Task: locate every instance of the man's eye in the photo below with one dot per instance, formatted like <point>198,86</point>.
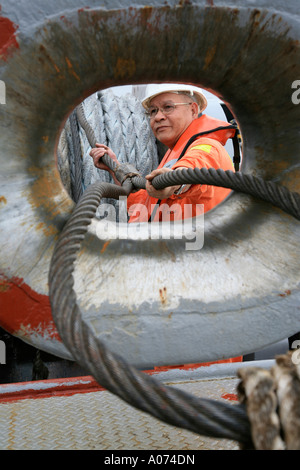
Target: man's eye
<point>153,112</point>
<point>168,107</point>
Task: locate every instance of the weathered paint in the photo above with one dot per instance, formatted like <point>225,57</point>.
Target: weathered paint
<point>48,388</point>
<point>29,312</point>
<point>87,384</point>
<point>152,300</point>
<point>230,396</point>
<point>8,39</point>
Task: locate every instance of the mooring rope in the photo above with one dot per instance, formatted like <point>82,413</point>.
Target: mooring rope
<point>120,123</point>
<point>76,165</point>
<point>203,416</point>
<point>112,372</point>
<point>272,399</point>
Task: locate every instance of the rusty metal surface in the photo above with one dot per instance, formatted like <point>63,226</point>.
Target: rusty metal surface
<point>84,416</point>
<point>152,301</point>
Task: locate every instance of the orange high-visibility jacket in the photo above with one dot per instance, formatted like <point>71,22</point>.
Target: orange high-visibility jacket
<point>205,151</point>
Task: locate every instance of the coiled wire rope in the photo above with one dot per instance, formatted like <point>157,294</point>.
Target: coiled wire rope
<point>203,416</point>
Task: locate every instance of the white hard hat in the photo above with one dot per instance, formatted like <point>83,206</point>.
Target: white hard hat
<point>155,89</point>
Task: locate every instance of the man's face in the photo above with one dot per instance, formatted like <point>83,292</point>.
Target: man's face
<point>168,128</point>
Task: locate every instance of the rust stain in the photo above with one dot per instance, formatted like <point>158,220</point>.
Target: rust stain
<point>163,295</point>
<point>182,3</point>
<point>46,192</point>
<point>291,180</point>
<point>8,41</point>
<point>124,68</point>
<point>45,138</point>
<point>43,190</point>
<point>71,69</point>
<point>209,56</point>
<point>48,230</point>
<point>103,249</point>
<point>3,200</point>
<point>285,293</point>
<point>49,58</point>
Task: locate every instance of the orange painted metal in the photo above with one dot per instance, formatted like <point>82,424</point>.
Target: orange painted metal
<point>8,39</point>
<point>29,311</point>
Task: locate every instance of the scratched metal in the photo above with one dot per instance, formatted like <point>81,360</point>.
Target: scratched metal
<point>152,301</point>
<point>98,420</point>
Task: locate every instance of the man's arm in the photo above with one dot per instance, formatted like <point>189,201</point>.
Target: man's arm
<point>166,192</point>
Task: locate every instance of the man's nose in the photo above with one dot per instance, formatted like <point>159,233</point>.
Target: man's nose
<point>159,115</point>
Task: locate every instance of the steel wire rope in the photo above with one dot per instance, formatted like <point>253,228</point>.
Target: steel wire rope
<point>174,406</point>
<point>269,191</point>
<point>77,189</point>
<point>207,417</point>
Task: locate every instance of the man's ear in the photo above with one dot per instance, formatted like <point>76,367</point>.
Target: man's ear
<point>195,109</point>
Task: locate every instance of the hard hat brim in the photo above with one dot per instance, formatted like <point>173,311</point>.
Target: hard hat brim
<point>201,100</point>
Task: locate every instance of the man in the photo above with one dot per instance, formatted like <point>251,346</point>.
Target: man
<point>174,119</point>
<point>175,113</point>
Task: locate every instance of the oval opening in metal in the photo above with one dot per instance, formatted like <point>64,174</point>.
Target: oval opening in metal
<point>119,121</point>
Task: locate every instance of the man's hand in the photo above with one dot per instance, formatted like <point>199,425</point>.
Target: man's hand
<point>161,193</point>
<point>97,153</point>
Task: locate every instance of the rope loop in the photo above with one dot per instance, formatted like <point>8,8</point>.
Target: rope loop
<point>269,413</point>
<point>205,417</point>
<point>272,400</point>
<point>171,405</point>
